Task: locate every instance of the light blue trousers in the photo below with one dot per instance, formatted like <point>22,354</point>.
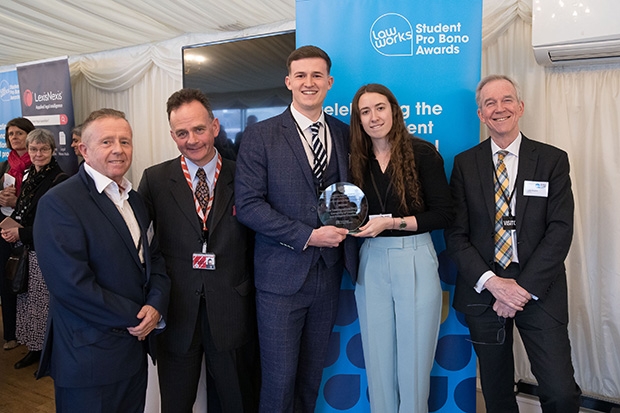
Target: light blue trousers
<point>399,304</point>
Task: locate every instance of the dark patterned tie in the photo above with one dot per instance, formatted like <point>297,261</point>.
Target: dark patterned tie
<point>318,149</point>
<point>503,238</point>
<point>202,189</point>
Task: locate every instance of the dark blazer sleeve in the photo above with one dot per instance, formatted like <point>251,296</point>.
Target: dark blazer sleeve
<point>546,228</point>
<point>64,247</point>
<point>268,183</point>
<point>471,233</point>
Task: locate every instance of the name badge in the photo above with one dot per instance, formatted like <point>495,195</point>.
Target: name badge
<point>509,222</point>
<point>536,188</point>
<point>379,216</point>
<point>203,261</point>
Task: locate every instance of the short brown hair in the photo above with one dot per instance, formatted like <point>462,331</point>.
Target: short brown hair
<point>21,123</point>
<point>307,52</point>
<point>188,95</point>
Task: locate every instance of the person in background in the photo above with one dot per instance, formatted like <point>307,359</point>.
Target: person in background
<point>108,285</point>
<point>208,256</point>
<point>398,292</point>
<point>511,235</point>
<point>298,264</point>
<point>18,162</point>
<point>33,305</point>
<point>76,138</point>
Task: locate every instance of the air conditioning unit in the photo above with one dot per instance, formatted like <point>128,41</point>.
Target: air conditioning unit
<point>576,31</point>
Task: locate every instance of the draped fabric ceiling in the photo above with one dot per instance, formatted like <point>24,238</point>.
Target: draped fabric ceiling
<point>37,29</point>
<point>576,109</point>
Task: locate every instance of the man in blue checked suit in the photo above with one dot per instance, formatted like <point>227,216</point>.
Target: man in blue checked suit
<point>283,164</point>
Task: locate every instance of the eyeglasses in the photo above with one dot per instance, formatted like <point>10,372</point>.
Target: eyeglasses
<point>501,333</point>
<point>39,150</point>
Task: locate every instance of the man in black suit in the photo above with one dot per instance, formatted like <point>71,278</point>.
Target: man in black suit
<point>510,257</point>
<point>208,256</point>
<point>108,292</point>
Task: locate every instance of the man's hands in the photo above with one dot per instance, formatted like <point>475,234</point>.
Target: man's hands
<point>150,317</point>
<point>510,296</point>
<point>327,236</point>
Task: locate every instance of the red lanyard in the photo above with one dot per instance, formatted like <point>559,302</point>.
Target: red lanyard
<point>203,216</point>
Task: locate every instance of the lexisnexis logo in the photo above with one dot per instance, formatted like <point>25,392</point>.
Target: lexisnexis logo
<point>31,97</point>
<point>392,35</point>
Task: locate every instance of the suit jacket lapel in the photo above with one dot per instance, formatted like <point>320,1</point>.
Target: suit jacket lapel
<point>291,134</point>
<point>141,216</point>
<point>528,159</point>
<point>484,163</point>
<point>223,193</point>
<point>182,195</point>
<point>111,213</point>
<point>339,152</point>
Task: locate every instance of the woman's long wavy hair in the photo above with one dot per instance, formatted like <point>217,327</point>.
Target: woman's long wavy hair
<point>404,174</point>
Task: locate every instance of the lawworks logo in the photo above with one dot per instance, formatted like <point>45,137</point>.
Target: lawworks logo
<point>28,97</point>
<point>5,91</point>
<point>392,35</point>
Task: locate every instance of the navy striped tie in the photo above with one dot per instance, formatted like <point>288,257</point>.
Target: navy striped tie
<point>318,149</point>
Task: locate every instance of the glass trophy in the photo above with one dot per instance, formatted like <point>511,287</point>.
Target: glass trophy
<point>343,205</point>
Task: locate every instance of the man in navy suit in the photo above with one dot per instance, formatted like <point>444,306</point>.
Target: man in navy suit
<point>517,279</point>
<point>298,263</point>
<point>108,292</point>
<point>208,256</point>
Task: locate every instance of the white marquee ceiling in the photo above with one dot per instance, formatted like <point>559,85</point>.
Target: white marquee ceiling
<point>38,29</point>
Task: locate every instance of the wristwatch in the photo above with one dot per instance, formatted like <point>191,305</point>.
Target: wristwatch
<point>403,224</point>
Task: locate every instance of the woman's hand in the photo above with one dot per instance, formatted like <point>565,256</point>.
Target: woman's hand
<point>10,235</point>
<point>375,227</point>
<point>8,196</point>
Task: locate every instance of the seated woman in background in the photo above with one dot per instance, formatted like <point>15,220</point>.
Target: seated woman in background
<point>33,305</point>
<point>398,291</point>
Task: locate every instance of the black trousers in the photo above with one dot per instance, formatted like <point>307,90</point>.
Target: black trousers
<point>548,349</point>
<point>232,376</point>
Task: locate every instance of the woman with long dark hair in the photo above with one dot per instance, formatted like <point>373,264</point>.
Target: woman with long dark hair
<point>398,291</point>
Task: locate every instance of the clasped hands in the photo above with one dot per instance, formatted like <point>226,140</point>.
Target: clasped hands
<point>510,297</point>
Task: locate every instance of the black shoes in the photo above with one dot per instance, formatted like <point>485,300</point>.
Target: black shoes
<point>30,358</point>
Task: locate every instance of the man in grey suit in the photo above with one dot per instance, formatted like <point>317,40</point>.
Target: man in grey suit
<point>511,235</point>
<point>208,258</point>
<point>298,262</point>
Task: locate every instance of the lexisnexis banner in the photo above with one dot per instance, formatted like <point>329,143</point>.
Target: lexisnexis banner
<point>429,54</point>
<point>46,100</point>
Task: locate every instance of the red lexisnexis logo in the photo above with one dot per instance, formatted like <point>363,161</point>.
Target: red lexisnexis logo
<point>28,97</point>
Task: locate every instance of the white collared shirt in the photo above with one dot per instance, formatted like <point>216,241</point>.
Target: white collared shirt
<point>306,138</point>
<point>119,195</point>
<point>511,160</point>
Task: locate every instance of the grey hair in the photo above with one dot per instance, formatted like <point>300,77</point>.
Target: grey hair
<point>492,78</point>
<point>42,136</point>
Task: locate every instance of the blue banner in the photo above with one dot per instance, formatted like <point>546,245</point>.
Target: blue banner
<point>10,106</point>
<point>428,54</point>
<point>46,100</point>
